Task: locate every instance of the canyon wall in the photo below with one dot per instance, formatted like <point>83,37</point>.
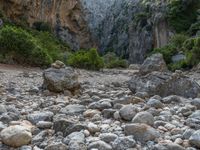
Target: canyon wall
<point>131,28</point>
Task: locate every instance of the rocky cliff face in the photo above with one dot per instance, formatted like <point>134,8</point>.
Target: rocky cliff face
<point>129,27</point>
<point>132,28</point>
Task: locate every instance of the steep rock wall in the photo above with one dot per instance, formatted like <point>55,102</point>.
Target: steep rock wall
<point>134,27</point>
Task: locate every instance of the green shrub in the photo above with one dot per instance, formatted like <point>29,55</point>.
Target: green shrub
<point>112,61</point>
<point>142,16</point>
<point>40,57</point>
<point>16,39</point>
<point>178,66</point>
<point>86,59</point>
<point>167,51</point>
<point>175,45</point>
<point>177,40</point>
<point>22,47</point>
<point>189,46</point>
<point>54,47</point>
<point>120,63</point>
<point>194,28</point>
<point>109,56</point>
<point>182,14</point>
<point>193,56</point>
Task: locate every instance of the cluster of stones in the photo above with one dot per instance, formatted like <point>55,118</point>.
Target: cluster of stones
<point>102,115</point>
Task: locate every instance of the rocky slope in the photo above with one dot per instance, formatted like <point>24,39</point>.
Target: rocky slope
<point>130,27</point>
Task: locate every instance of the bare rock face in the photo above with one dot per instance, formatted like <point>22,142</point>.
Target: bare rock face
<point>165,84</point>
<point>60,79</point>
<point>153,63</point>
<point>131,37</point>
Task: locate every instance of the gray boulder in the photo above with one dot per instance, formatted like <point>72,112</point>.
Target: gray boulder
<point>100,145</point>
<point>171,98</point>
<point>128,112</point>
<point>124,143</point>
<point>66,126</point>
<point>196,102</point>
<point>178,57</point>
<point>16,136</point>
<point>155,103</point>
<point>73,109</point>
<point>58,64</point>
<point>134,67</point>
<point>153,63</point>
<point>165,84</point>
<point>195,115</point>
<point>144,117</point>
<point>195,139</point>
<point>59,80</point>
<point>141,132</point>
<point>168,146</point>
<point>76,141</point>
<point>40,116</point>
<point>57,146</point>
<point>101,105</point>
<point>108,137</point>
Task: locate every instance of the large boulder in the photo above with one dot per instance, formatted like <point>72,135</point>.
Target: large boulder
<point>165,84</point>
<point>100,145</point>
<point>60,79</point>
<point>153,63</point>
<point>195,139</point>
<point>128,112</point>
<point>144,117</point>
<point>66,125</point>
<point>167,146</point>
<point>40,116</point>
<point>141,132</point>
<point>123,143</point>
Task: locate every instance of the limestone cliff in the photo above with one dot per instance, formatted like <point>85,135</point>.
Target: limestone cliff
<point>134,27</point>
<point>131,28</point>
